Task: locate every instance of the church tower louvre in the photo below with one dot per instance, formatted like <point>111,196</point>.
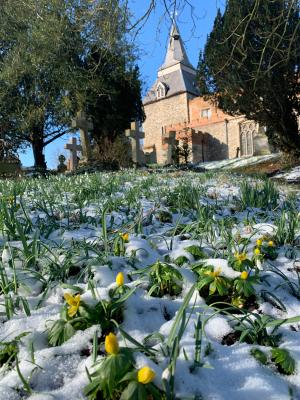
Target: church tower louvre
<point>167,102</point>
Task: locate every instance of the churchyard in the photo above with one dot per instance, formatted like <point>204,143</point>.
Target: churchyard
<point>147,285</point>
<point>156,256</point>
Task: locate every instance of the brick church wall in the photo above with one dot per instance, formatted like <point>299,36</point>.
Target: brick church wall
<point>159,115</point>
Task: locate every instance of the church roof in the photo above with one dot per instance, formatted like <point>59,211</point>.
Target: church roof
<point>176,52</point>
<point>176,73</point>
<point>178,81</point>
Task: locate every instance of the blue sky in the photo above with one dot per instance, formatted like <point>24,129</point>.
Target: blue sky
<point>152,42</point>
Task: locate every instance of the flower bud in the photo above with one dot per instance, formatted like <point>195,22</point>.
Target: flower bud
<point>145,375</point>
<point>120,279</point>
<point>244,275</point>
<point>111,344</point>
<point>259,242</point>
<point>257,251</point>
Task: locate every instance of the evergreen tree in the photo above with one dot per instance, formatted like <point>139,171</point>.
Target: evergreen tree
<point>46,74</point>
<point>120,101</point>
<point>253,55</point>
<point>202,76</point>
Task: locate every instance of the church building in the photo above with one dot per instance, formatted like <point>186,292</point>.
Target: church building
<point>175,112</point>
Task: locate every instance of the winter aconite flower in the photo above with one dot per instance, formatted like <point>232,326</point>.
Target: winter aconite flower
<point>111,344</point>
<point>145,375</point>
<point>215,273</point>
<point>125,237</point>
<point>73,302</point>
<point>256,251</point>
<point>120,279</point>
<point>259,242</point>
<point>271,243</point>
<point>240,257</point>
<point>244,275</point>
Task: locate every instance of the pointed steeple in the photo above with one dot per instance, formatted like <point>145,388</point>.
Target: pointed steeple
<point>176,75</point>
<point>176,52</point>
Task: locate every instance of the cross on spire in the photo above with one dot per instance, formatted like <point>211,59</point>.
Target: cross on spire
<point>176,53</point>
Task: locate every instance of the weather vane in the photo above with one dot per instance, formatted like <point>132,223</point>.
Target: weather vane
<point>174,14</point>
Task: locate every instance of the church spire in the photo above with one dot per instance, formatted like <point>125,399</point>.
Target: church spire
<point>176,52</point>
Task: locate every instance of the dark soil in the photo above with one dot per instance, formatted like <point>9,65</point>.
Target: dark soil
<point>231,338</point>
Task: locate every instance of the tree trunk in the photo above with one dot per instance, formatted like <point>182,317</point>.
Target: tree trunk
<point>37,143</point>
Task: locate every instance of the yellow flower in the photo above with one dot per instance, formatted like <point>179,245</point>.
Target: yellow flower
<point>259,242</point>
<point>74,302</point>
<point>125,237</point>
<point>257,251</point>
<point>111,344</point>
<point>271,243</point>
<point>244,275</point>
<point>214,274</point>
<point>120,279</point>
<point>240,257</point>
<point>145,375</point>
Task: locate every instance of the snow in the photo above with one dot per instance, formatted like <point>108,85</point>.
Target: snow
<point>237,162</point>
<point>226,372</point>
<point>292,176</point>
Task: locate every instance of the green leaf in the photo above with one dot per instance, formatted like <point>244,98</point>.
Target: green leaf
<point>134,391</point>
<point>196,252</point>
<point>277,322</point>
<point>59,332</point>
<point>204,282</point>
<point>259,355</point>
<point>181,260</point>
<point>179,316</point>
<point>212,287</point>
<point>283,361</point>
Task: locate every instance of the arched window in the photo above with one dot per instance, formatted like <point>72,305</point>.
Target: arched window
<point>160,91</point>
<point>247,130</point>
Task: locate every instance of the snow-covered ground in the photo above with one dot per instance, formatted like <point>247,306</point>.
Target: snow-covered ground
<point>238,162</point>
<point>292,176</point>
<point>66,241</point>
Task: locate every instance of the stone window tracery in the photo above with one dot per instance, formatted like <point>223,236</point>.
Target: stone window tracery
<point>247,131</point>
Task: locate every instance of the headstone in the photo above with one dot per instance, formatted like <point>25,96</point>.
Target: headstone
<point>84,125</point>
<point>135,135</point>
<point>169,140</point>
<point>9,161</point>
<point>61,166</point>
<point>73,147</point>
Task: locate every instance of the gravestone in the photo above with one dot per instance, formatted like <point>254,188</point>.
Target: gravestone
<point>73,147</point>
<point>84,125</point>
<point>9,161</point>
<point>169,142</point>
<point>61,166</point>
<point>134,134</point>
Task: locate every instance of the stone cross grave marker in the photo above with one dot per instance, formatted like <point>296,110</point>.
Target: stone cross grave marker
<point>169,139</point>
<point>135,135</point>
<point>84,125</point>
<point>73,147</point>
